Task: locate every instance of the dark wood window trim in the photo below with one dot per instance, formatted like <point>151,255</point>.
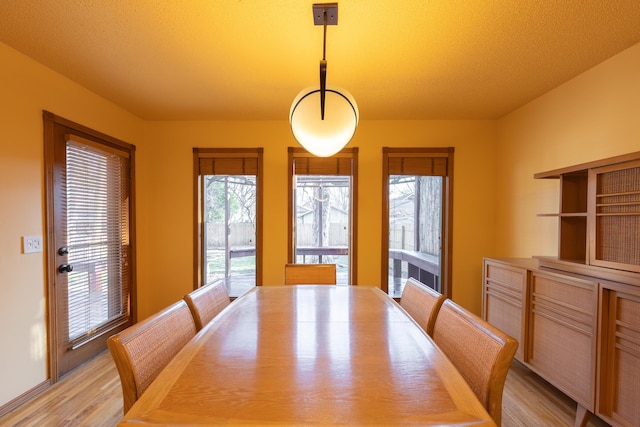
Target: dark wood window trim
<point>343,162</point>
<point>426,161</point>
<point>226,161</point>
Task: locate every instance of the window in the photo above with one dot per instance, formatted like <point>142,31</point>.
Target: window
<point>322,211</point>
<point>228,217</point>
<point>417,218</point>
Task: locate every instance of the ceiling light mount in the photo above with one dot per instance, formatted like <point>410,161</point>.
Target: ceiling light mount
<point>319,133</point>
<point>331,10</point>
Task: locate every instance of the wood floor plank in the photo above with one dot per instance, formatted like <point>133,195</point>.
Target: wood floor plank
<point>91,396</point>
<point>530,401</point>
<point>88,396</point>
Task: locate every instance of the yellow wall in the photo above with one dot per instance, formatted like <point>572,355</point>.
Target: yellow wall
<point>27,89</point>
<point>596,115</point>
<point>165,262</point>
<point>495,197</point>
<point>164,200</point>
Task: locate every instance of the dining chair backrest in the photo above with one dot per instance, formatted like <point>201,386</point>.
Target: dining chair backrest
<point>206,302</point>
<point>422,303</point>
<point>305,274</point>
<point>141,351</point>
<point>481,353</point>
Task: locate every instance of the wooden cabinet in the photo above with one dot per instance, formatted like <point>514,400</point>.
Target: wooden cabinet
<point>577,315</point>
<point>619,361</point>
<point>505,298</point>
<point>561,333</point>
<point>554,318</point>
<point>599,213</point>
<point>580,333</point>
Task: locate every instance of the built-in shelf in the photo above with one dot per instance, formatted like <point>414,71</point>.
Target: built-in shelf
<point>599,212</point>
<point>556,215</point>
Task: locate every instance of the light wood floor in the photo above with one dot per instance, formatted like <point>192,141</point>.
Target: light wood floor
<point>91,396</point>
<point>529,401</point>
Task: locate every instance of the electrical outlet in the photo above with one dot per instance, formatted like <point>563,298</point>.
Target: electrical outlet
<point>31,244</point>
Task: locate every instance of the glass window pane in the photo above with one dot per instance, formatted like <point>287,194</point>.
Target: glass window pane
<point>322,226</point>
<point>230,231</point>
<point>415,231</point>
<point>97,236</point>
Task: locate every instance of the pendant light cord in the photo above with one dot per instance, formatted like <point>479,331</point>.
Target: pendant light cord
<point>324,40</point>
<point>323,69</point>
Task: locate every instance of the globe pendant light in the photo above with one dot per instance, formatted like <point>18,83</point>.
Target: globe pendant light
<point>324,119</point>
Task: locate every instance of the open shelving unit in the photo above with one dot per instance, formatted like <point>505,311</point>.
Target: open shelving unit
<point>599,213</point>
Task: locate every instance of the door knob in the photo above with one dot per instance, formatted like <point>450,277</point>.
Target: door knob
<point>63,251</point>
<point>65,268</point>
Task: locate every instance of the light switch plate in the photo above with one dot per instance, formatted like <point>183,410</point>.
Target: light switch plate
<point>31,244</point>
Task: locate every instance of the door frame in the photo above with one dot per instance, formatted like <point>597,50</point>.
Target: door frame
<point>50,120</point>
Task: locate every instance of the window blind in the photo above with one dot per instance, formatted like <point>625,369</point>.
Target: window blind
<point>322,166</point>
<point>226,162</point>
<point>422,166</point>
<point>97,183</point>
<point>228,166</point>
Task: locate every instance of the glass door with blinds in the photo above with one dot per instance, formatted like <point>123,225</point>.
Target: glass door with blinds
<point>91,254</point>
<point>416,218</point>
<point>322,226</point>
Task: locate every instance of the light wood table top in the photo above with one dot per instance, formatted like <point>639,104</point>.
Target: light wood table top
<point>310,355</point>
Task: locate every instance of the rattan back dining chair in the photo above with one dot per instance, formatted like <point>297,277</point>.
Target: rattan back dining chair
<point>422,303</point>
<point>141,351</point>
<point>305,274</point>
<point>206,302</point>
<point>481,353</point>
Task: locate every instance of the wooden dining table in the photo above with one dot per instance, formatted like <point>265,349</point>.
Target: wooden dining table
<point>310,355</point>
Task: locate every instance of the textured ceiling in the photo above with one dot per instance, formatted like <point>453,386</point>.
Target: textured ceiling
<point>244,60</point>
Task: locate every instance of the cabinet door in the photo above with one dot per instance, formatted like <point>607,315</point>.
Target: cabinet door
<point>504,296</point>
<point>619,366</point>
<point>615,219</point>
<point>561,334</point>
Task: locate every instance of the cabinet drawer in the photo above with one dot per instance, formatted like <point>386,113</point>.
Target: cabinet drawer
<point>620,358</point>
<point>504,296</point>
<point>509,277</point>
<point>561,330</point>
